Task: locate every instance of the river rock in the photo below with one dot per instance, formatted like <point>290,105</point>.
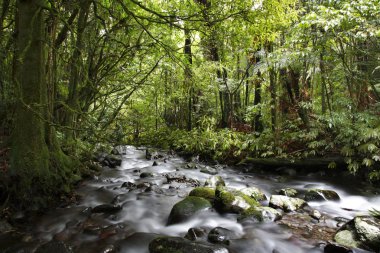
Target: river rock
<point>54,247</point>
<point>209,170</point>
<point>221,235</point>
<point>215,181</point>
<point>155,163</point>
<point>194,234</point>
<point>368,231</point>
<point>112,161</point>
<point>203,192</point>
<point>285,203</point>
<point>129,185</point>
<point>146,174</point>
<point>260,214</point>
<point>320,195</point>
<point>231,201</point>
<point>290,192</point>
<point>106,208</point>
<point>346,238</point>
<point>182,245</point>
<point>255,193</point>
<point>187,208</point>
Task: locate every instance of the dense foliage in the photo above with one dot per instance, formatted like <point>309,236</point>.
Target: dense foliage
<point>225,79</point>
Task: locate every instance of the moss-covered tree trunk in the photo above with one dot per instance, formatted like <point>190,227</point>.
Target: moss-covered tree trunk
<point>29,156</point>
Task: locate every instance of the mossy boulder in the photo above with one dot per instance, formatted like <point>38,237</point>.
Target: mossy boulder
<point>215,181</point>
<point>360,232</point>
<point>285,203</point>
<point>320,195</point>
<point>232,201</point>
<point>186,208</point>
<point>182,245</point>
<point>203,192</point>
<point>260,214</point>
<point>346,238</point>
<point>290,192</point>
<point>255,193</point>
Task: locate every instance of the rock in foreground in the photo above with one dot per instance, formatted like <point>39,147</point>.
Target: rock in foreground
<point>187,208</point>
<point>181,245</point>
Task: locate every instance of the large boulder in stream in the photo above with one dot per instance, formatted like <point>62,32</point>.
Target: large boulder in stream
<point>362,232</point>
<point>320,195</point>
<point>186,208</point>
<point>182,245</point>
<point>232,201</point>
<point>285,203</point>
<point>112,161</point>
<point>203,192</point>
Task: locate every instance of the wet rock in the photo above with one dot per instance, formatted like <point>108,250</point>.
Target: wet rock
<point>255,193</point>
<point>215,181</point>
<point>129,185</point>
<point>181,245</point>
<point>320,195</point>
<point>285,203</point>
<point>155,188</point>
<point>315,214</point>
<point>143,185</point>
<point>232,201</point>
<point>187,208</point>
<point>151,154</point>
<point>368,231</point>
<point>54,247</point>
<point>260,214</point>
<point>146,174</point>
<point>115,151</point>
<point>155,163</point>
<point>194,234</point>
<point>203,192</point>
<point>209,170</point>
<point>180,178</point>
<point>290,192</point>
<point>191,166</point>
<point>336,248</point>
<point>346,238</point>
<point>92,230</point>
<point>106,208</point>
<point>221,235</point>
<point>109,249</point>
<point>112,161</point>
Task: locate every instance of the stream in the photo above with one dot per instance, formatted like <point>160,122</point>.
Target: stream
<point>146,198</point>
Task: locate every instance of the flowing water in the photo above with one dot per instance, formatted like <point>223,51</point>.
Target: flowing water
<point>144,213</point>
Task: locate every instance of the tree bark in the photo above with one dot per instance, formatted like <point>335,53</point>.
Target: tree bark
<point>29,154</point>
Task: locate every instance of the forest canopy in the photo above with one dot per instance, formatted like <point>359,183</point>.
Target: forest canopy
<point>226,79</point>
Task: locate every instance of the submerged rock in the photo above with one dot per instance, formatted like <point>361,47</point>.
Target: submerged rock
<point>255,193</point>
<point>260,214</point>
<point>186,208</point>
<point>320,195</point>
<point>285,203</point>
<point>181,245</point>
<point>106,208</point>
<point>231,201</point>
<point>203,192</point>
<point>221,235</point>
<point>54,247</point>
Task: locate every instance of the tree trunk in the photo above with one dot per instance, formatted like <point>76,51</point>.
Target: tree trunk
<point>188,77</point>
<point>30,157</point>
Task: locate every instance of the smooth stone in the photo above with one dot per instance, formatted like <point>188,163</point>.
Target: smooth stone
<point>285,203</point>
<point>146,174</point>
<point>321,195</point>
<point>221,235</point>
<point>260,214</point>
<point>194,234</point>
<point>232,201</point>
<point>186,208</point>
